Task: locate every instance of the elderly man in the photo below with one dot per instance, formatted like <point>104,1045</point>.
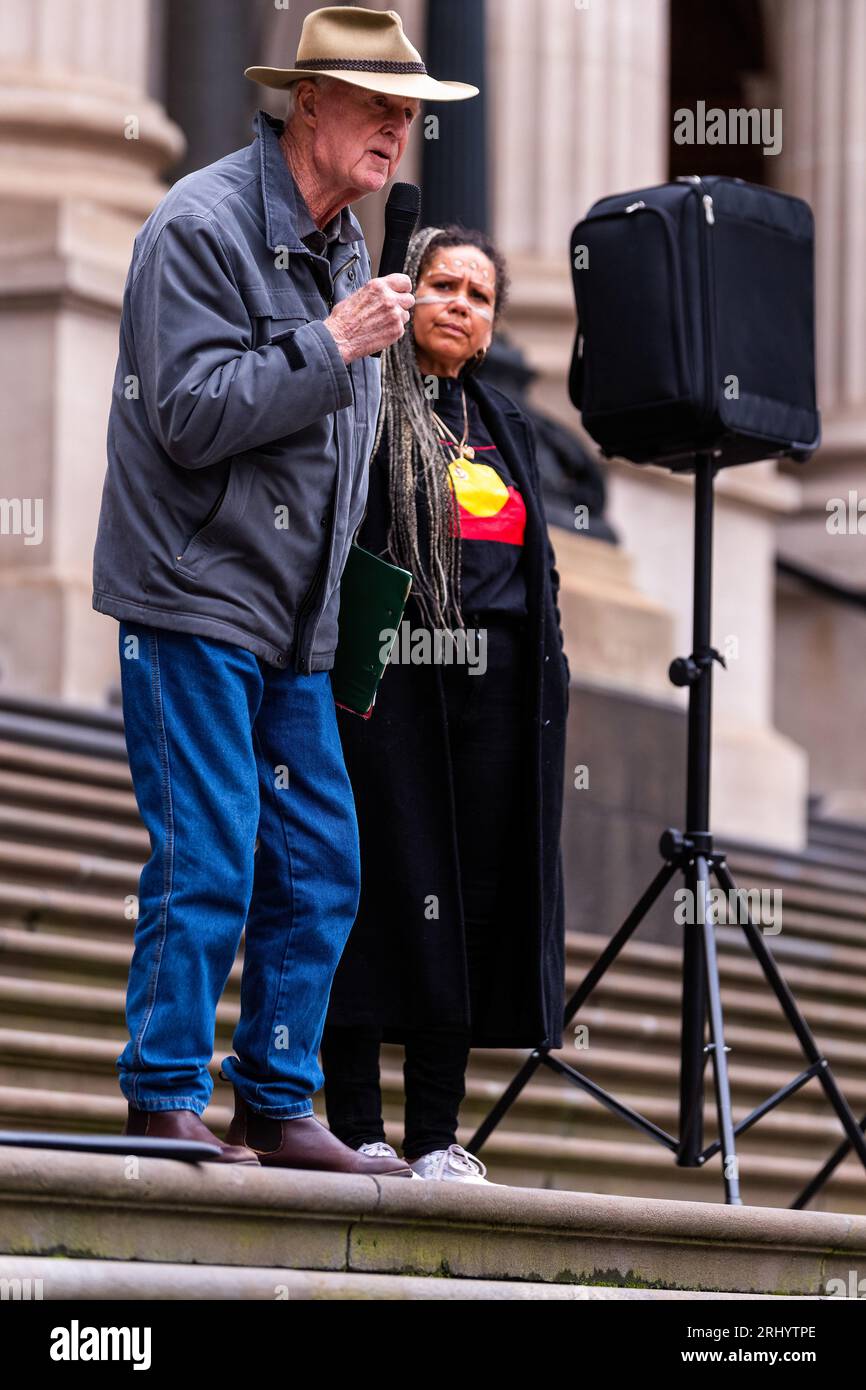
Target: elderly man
<point>242,418</point>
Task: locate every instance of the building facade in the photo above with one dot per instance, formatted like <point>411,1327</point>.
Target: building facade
<point>101,104</point>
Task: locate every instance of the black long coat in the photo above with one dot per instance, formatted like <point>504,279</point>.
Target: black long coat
<point>404,965</point>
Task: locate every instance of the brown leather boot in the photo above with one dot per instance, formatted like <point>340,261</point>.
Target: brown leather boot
<point>304,1143</point>
<point>184,1124</point>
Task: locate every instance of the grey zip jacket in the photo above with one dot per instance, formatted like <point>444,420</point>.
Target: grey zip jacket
<point>238,439</point>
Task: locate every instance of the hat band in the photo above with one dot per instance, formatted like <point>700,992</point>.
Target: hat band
<point>363,65</point>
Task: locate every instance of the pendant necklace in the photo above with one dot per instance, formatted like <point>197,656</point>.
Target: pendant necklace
<point>464,453</point>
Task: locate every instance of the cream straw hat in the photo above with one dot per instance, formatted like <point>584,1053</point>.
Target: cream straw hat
<point>366,48</point>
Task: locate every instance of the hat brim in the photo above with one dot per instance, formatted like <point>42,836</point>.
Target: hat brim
<point>410,85</point>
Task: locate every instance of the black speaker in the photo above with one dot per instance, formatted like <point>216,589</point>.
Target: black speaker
<point>696,323</point>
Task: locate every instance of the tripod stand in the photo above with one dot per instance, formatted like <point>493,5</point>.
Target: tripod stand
<point>692,853</point>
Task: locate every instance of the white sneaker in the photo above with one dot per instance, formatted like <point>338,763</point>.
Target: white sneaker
<point>454,1164</point>
<point>377,1149</point>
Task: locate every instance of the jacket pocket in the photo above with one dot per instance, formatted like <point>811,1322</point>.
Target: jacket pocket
<point>275,314</point>
<point>221,520</point>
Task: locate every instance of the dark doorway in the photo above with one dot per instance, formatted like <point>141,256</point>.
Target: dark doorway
<point>718,56</point>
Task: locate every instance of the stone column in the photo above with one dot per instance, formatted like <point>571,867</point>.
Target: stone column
<point>206,45</point>
<point>759,784</point>
<point>577,102</point>
<point>454,173</point>
<point>579,109</point>
<point>820,58</point>
<point>81,146</point>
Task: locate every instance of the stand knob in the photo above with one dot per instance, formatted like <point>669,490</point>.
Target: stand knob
<point>683,670</point>
<point>671,844</point>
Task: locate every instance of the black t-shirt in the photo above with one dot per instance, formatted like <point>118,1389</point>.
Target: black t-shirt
<point>492,513</point>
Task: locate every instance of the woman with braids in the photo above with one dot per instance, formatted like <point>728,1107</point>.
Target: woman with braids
<point>458,774</point>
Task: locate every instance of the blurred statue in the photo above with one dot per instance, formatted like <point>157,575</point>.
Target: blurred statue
<point>572,480</point>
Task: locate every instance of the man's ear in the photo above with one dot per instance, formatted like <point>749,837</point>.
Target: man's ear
<point>307,102</point>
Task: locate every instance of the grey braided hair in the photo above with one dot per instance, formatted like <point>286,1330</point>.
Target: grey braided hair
<point>417,470</point>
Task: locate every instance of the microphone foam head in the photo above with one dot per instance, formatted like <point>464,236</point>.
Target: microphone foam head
<point>404,202</point>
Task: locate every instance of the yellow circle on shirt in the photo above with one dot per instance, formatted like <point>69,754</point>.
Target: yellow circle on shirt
<point>480,490</point>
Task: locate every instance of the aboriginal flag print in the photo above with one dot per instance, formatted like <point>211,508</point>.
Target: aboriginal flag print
<point>490,509</point>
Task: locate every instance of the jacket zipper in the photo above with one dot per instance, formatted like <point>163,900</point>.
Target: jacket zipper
<point>303,660</point>
<point>305,647</point>
<point>356,256</point>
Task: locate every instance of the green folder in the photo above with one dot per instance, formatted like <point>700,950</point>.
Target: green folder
<point>373,595</point>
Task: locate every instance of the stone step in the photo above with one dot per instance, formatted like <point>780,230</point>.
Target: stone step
<point>645,978</point>
<point>555,1137</point>
<point>126,839</point>
<point>95,873</point>
<point>102,1207</point>
<point>48,723</point>
<point>825,900</point>
<point>832,860</point>
<point>82,1062</point>
<point>62,797</point>
<point>65,766</point>
<point>63,957</point>
<point>50,807</point>
<point>90,896</point>
<point>70,816</point>
<point>814,867</point>
<point>755,1026</point>
<point>54,1089</point>
<point>98,1011</point>
<point>53,1075</point>
<point>642,1169</point>
<point>71,849</point>
<point>140,1281</point>
<point>828,830</point>
<point>790,952</point>
<point>847,930</point>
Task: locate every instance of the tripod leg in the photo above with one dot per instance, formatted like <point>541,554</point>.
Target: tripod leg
<point>730,1162</point>
<point>585,988</point>
<point>618,941</point>
<point>803,1033</point>
<point>824,1174</point>
<point>505,1101</point>
<point>692,1037</point>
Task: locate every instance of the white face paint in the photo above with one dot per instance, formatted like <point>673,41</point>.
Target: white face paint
<point>454,310</point>
<point>459,298</point>
<point>457,268</point>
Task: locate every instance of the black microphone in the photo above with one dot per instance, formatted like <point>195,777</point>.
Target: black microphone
<point>401,215</point>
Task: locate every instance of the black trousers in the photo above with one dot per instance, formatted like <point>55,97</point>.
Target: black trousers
<point>486,731</point>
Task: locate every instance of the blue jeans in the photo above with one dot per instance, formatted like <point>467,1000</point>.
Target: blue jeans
<point>240,780</point>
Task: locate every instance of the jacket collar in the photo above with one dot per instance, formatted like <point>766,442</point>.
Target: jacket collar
<point>491,398</point>
<point>508,426</point>
<point>287,217</point>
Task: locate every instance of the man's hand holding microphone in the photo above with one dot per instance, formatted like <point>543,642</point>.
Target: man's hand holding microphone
<point>373,317</point>
<point>376,315</point>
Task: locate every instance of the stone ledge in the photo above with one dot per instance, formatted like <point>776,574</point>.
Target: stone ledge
<point>81,1280</point>
<point>86,1206</point>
